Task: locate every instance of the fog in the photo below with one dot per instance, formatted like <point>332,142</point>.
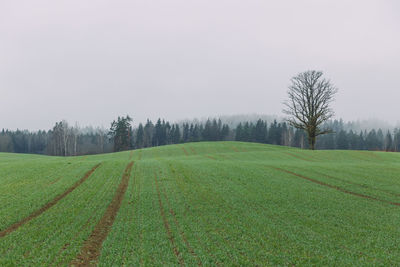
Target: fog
<point>90,61</point>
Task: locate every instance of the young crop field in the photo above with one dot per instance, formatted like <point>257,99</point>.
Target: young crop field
<point>211,204</point>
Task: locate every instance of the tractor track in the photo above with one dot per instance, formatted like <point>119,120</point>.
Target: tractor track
<point>193,150</point>
<point>50,204</point>
<point>338,188</point>
<point>358,184</point>
<point>91,248</point>
<point>210,157</point>
<point>182,233</point>
<point>185,151</point>
<point>167,226</point>
<point>297,156</point>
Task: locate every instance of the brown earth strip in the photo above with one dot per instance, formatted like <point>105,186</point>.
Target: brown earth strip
<point>139,219</point>
<point>297,156</point>
<point>193,150</point>
<point>185,151</point>
<point>66,245</point>
<point>167,226</point>
<point>218,231</point>
<point>90,251</point>
<point>196,207</point>
<point>172,212</point>
<point>55,181</point>
<point>337,187</point>
<point>235,149</point>
<point>210,157</point>
<point>50,204</point>
<point>369,154</point>
<point>357,184</point>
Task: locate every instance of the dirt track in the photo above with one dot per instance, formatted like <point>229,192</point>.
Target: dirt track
<point>167,226</point>
<point>50,204</point>
<point>338,188</point>
<point>90,250</point>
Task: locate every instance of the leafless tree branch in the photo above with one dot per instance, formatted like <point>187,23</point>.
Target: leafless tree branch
<point>308,104</point>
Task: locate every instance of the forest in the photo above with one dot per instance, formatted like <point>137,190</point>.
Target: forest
<point>66,140</point>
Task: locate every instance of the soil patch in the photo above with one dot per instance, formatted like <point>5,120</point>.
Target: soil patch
<point>210,157</point>
<point>167,226</point>
<point>193,150</point>
<point>297,156</point>
<point>338,188</point>
<point>185,151</point>
<point>90,251</point>
<point>50,204</point>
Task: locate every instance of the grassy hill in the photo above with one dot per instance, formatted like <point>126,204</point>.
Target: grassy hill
<point>222,203</point>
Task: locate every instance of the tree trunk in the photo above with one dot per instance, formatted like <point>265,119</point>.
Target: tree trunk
<point>311,141</point>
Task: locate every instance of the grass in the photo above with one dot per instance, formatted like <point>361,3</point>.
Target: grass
<point>222,203</point>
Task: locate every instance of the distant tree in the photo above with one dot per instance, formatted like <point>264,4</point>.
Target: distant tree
<point>342,142</point>
<point>246,133</point>
<point>191,133</point>
<point>186,133</point>
<point>224,132</point>
<point>381,139</point>
<point>148,134</point>
<point>396,140</point>
<point>121,133</point>
<point>6,144</point>
<point>371,141</point>
<point>139,141</point>
<point>239,132</point>
<point>260,131</point>
<point>176,136</point>
<point>275,134</point>
<point>388,142</point>
<point>308,105</point>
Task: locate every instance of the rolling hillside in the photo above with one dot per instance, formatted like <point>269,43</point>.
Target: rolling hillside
<point>221,203</point>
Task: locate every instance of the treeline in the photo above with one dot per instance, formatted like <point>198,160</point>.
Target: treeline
<point>66,140</point>
<point>62,140</point>
<point>281,134</point>
<point>165,133</point>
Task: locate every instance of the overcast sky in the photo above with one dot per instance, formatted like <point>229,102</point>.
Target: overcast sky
<point>90,61</point>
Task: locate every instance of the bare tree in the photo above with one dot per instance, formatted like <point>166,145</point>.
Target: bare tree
<point>74,134</point>
<point>65,130</point>
<point>308,105</point>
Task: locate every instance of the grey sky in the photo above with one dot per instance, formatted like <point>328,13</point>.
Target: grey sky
<point>90,61</point>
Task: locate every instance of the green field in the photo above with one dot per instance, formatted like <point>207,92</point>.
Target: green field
<point>211,204</point>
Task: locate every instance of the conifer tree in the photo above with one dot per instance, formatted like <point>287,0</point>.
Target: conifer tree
<point>121,133</point>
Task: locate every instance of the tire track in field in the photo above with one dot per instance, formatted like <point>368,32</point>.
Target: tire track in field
<point>135,203</point>
<point>185,151</point>
<point>337,187</point>
<point>182,233</point>
<point>139,219</point>
<point>369,154</point>
<point>297,156</point>
<point>357,184</point>
<point>238,150</point>
<point>182,191</point>
<point>235,149</point>
<point>66,245</point>
<point>54,181</point>
<point>167,226</point>
<point>50,204</point>
<point>210,157</point>
<point>219,231</point>
<point>193,150</point>
<point>90,250</point>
